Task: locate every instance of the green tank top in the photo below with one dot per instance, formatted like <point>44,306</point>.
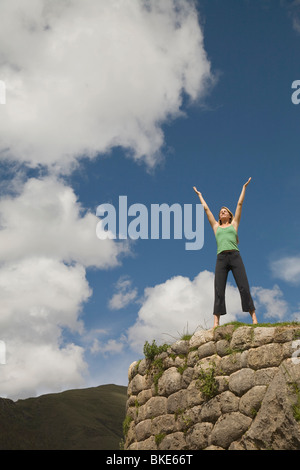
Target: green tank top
<point>226,239</point>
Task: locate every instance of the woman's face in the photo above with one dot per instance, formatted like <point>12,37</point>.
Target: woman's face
<point>224,215</point>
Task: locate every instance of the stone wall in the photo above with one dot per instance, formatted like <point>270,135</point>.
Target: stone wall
<point>225,388</point>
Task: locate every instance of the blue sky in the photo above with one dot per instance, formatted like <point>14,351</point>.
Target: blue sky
<point>145,100</point>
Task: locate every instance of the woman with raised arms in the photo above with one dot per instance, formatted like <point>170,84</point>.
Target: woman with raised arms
<point>228,257</point>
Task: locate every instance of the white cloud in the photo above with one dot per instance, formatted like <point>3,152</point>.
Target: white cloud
<point>271,301</point>
<point>287,269</point>
<point>177,305</point>
<point>112,346</point>
<point>47,241</point>
<point>40,297</point>
<point>84,76</point>
<point>125,294</point>
<point>42,290</point>
<point>45,219</point>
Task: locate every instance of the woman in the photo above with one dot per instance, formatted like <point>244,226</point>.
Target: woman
<point>228,257</point>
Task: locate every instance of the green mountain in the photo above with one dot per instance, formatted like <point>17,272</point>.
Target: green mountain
<point>82,419</point>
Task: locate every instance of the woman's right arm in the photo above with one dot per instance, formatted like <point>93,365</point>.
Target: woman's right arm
<point>214,224</point>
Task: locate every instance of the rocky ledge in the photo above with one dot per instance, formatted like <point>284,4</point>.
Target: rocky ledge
<point>232,388</point>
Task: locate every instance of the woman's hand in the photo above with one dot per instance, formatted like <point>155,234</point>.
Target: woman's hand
<point>196,190</point>
<point>246,184</point>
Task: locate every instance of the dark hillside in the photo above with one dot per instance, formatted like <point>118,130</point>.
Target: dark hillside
<point>88,419</point>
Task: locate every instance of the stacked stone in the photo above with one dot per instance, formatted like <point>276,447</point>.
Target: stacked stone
<point>256,374</point>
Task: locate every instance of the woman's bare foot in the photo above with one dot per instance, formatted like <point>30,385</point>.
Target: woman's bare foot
<point>253,316</point>
<point>216,320</point>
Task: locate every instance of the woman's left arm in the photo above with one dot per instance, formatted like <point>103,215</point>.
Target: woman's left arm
<point>238,211</point>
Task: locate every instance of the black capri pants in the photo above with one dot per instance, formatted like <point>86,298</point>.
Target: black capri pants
<point>231,261</point>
